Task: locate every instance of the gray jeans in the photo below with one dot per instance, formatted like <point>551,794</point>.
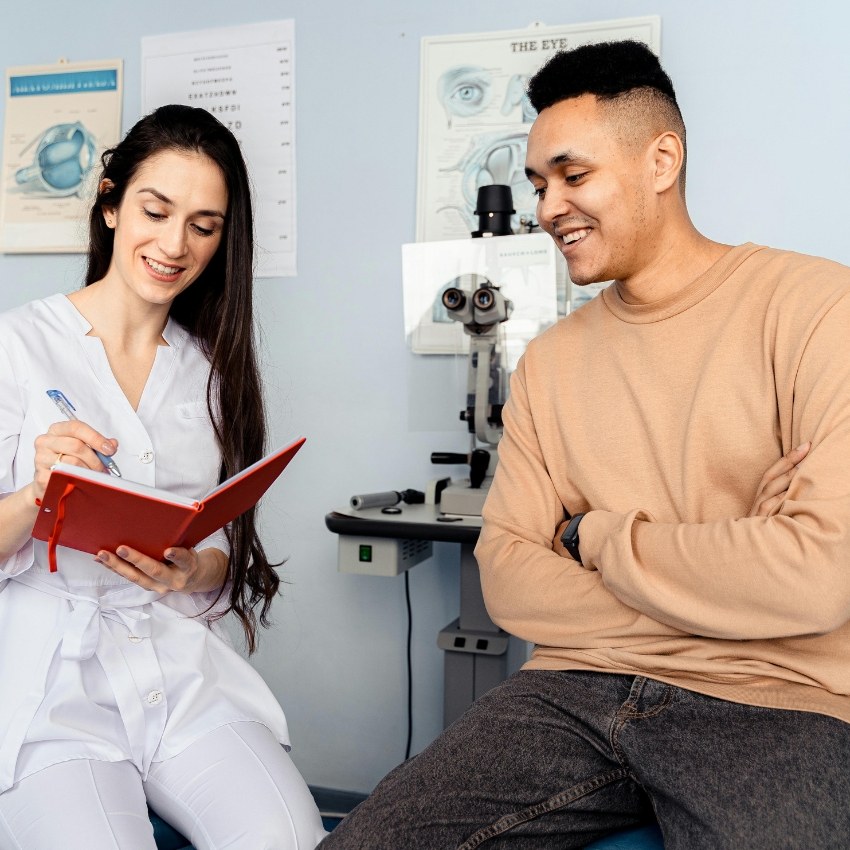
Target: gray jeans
<point>559,759</point>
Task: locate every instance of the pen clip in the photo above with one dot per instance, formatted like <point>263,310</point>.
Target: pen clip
<point>59,396</point>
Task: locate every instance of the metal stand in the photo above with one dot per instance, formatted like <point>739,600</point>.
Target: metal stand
<point>476,648</point>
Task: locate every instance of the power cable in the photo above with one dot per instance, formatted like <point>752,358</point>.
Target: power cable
<point>409,666</point>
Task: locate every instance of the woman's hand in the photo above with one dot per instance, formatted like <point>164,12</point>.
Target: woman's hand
<point>774,483</point>
<point>183,571</point>
<point>68,442</point>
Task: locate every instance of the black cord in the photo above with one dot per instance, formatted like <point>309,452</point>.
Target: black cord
<point>409,666</point>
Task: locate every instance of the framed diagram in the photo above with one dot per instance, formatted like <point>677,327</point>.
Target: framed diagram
<point>59,120</point>
<point>474,116</point>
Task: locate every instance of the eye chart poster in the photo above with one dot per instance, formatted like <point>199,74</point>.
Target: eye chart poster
<point>245,76</point>
<point>59,120</point>
<point>474,116</point>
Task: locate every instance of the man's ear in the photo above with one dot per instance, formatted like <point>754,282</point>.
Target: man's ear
<point>668,155</point>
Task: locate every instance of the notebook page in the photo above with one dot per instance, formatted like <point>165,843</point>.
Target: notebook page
<point>123,484</point>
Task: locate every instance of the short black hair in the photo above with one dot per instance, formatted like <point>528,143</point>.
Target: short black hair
<point>607,70</point>
<point>626,76</point>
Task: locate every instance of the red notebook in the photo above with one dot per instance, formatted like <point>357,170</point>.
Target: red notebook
<point>87,510</point>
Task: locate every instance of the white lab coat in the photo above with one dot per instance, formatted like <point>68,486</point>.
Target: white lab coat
<point>91,665</point>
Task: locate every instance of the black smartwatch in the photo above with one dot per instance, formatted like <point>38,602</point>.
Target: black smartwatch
<point>570,537</point>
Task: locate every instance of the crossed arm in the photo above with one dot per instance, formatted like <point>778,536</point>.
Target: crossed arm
<point>778,572</point>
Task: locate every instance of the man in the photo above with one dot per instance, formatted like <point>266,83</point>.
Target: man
<point>689,613</point>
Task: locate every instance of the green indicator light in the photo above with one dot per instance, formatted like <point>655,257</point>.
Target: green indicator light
<point>366,553</point>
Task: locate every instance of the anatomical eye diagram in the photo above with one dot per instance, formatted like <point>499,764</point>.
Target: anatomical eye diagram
<point>465,91</point>
<point>495,158</point>
<point>516,95</point>
<point>64,156</point>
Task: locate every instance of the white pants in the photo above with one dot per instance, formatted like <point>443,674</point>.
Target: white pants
<point>234,788</point>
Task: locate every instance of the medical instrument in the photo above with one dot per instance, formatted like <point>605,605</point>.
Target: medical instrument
<point>372,543</point>
<point>494,210</point>
<point>375,540</point>
<point>61,401</point>
<point>482,312</point>
<point>479,305</point>
<point>478,460</point>
<point>388,499</point>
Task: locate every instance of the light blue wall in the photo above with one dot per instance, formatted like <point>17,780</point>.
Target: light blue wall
<point>764,90</point>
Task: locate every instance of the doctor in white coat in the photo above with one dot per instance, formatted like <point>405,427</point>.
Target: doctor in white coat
<point>117,688</point>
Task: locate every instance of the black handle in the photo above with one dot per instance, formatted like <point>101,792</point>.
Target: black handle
<point>413,497</point>
<point>448,457</point>
<point>478,465</point>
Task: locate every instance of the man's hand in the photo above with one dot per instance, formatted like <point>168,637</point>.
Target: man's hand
<point>183,571</point>
<point>774,483</point>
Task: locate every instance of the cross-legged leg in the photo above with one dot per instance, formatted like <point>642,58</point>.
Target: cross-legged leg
<point>236,788</point>
<point>725,776</point>
<point>77,805</point>
<point>528,766</point>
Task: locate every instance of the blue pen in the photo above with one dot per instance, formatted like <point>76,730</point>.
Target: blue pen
<point>68,409</point>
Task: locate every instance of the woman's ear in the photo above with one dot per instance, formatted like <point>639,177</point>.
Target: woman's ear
<point>109,213</point>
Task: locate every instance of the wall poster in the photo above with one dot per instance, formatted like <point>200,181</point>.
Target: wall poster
<point>59,120</point>
<point>245,76</point>
<point>474,117</point>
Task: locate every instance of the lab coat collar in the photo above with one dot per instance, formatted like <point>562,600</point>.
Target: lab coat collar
<point>173,333</point>
<point>61,305</point>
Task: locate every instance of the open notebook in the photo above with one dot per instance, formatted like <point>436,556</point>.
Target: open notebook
<point>87,510</point>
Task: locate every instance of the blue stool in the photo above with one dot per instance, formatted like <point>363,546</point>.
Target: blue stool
<point>644,838</point>
<point>166,837</point>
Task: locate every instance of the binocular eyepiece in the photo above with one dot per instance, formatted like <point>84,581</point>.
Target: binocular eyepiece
<point>455,299</point>
<point>483,298</point>
<point>485,306</point>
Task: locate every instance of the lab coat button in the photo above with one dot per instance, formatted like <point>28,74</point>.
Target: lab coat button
<point>146,457</point>
<point>134,639</point>
<point>155,697</point>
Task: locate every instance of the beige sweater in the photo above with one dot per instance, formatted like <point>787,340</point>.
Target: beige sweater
<point>659,420</point>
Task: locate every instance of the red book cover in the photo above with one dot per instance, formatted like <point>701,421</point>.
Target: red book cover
<point>87,510</point>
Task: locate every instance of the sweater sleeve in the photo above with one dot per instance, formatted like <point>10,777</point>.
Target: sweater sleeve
<point>760,577</point>
<point>532,588</point>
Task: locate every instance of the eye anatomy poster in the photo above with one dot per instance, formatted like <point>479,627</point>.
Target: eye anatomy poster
<point>474,116</point>
<point>245,76</point>
<point>523,267</point>
<point>59,120</point>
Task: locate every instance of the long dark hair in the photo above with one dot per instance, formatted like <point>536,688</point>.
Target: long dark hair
<point>217,310</point>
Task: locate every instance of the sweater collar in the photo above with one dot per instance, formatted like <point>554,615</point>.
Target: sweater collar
<point>687,297</point>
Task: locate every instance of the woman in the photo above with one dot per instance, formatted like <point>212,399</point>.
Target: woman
<point>116,685</point>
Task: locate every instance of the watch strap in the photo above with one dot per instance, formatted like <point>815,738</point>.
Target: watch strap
<point>570,537</point>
